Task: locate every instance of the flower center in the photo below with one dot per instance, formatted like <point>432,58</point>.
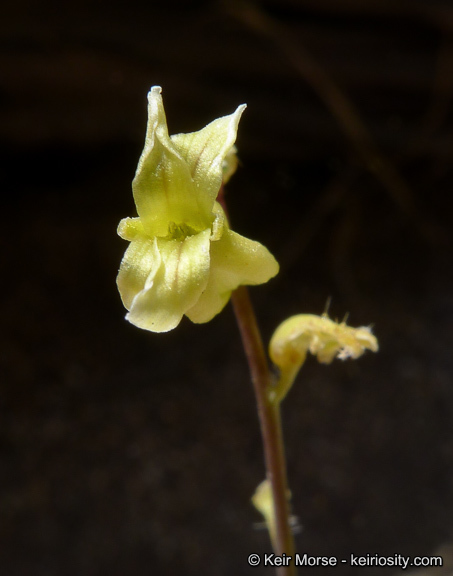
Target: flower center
<point>179,231</point>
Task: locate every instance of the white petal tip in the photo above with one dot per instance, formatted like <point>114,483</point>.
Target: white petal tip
<point>155,91</point>
<point>239,110</point>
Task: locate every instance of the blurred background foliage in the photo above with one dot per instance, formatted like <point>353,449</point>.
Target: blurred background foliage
<point>128,452</point>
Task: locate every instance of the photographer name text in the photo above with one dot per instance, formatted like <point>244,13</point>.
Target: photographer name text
<point>396,560</point>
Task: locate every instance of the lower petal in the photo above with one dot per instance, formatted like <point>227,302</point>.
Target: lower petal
<point>140,262</point>
<point>176,286</point>
<point>235,261</point>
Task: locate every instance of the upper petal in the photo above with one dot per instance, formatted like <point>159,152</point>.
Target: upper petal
<point>164,191</point>
<point>235,261</point>
<point>176,285</point>
<point>205,151</point>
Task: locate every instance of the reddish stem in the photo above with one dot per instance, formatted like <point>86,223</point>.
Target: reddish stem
<point>269,415</point>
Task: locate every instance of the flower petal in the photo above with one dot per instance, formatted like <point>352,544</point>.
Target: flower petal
<point>176,286</point>
<point>205,152</point>
<point>230,164</point>
<point>140,262</point>
<point>235,261</point>
<point>164,191</point>
<point>130,228</point>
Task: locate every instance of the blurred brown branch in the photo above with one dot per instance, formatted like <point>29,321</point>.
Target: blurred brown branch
<point>340,106</point>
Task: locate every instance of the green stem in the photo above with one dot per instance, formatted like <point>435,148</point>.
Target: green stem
<point>269,414</point>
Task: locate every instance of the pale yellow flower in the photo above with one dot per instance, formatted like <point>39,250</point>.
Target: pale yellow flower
<point>320,336</point>
<point>183,259</point>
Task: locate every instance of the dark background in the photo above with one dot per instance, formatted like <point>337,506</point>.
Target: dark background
<point>125,452</point>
